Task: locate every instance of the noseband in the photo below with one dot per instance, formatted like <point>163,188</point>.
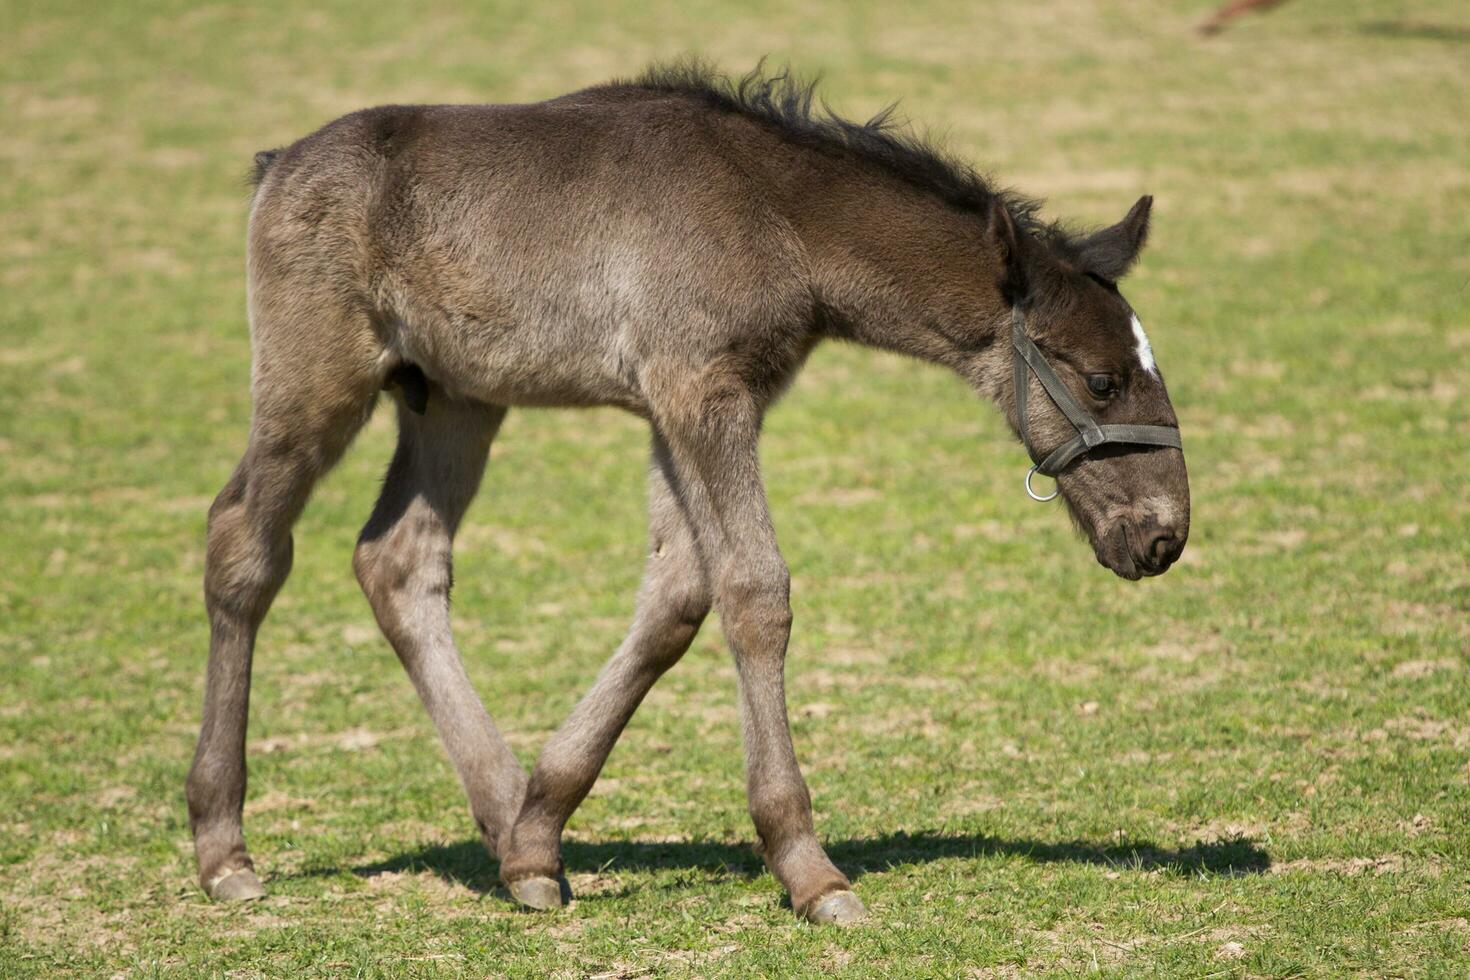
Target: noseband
<point>1090,435</point>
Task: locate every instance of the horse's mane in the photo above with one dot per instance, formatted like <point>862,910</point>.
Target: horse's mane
<point>789,104</point>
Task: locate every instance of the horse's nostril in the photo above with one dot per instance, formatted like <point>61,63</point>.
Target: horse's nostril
<point>1161,548</point>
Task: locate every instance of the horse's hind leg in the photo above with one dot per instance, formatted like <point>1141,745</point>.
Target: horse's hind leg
<point>404,564</point>
<point>315,384</point>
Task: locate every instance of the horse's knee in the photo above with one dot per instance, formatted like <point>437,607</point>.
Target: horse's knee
<point>245,562</point>
<point>687,611</point>
<point>398,572</point>
<point>756,608</point>
<point>378,573</point>
<point>681,612</point>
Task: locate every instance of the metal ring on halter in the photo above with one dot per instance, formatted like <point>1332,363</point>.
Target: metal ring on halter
<point>1032,493</point>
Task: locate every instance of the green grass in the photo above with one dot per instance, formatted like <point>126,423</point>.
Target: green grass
<point>1253,766</point>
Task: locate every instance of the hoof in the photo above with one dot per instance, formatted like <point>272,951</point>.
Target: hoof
<point>541,893</point>
<point>839,908</point>
<point>236,886</point>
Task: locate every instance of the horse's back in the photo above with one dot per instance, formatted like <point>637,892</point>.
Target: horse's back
<point>538,253</point>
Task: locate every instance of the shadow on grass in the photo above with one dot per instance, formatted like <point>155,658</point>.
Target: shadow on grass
<point>467,864</point>
<point>1410,30</point>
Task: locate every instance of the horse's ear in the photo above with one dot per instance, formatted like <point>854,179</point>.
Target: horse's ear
<point>1001,231</point>
<point>1110,253</point>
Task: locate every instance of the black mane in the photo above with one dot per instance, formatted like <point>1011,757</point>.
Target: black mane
<point>786,102</point>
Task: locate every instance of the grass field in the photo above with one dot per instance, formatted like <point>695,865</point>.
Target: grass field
<point>1254,766</point>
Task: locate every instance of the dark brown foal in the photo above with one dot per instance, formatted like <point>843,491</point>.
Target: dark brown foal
<point>675,246</point>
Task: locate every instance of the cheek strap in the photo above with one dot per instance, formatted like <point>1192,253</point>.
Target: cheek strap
<point>1027,358</point>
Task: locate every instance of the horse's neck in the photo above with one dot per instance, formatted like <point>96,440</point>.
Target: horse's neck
<point>906,273</point>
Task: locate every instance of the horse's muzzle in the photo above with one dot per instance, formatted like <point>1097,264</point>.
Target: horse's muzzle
<point>1158,548</point>
<point>1135,550</point>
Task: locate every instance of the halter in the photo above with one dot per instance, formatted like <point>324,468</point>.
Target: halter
<point>1089,435</point>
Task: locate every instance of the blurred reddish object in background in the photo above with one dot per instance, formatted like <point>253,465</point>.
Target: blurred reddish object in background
<point>1232,10</point>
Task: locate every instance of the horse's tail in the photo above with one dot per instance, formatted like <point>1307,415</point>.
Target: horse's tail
<point>263,162</point>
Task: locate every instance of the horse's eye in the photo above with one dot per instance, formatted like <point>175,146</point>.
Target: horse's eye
<point>1101,385</point>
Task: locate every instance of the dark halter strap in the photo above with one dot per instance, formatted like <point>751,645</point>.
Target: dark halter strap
<point>1090,434</point>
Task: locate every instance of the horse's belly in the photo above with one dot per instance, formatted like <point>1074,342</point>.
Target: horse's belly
<point>510,363</point>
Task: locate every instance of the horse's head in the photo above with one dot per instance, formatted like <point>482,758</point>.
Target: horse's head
<point>1093,410</point>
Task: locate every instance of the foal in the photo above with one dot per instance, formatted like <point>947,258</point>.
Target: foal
<point>676,246</point>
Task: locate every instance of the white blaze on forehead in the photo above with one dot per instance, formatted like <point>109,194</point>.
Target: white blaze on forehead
<point>1145,352</point>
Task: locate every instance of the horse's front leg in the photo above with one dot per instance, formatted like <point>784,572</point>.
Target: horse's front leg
<point>712,431</point>
<point>672,603</point>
